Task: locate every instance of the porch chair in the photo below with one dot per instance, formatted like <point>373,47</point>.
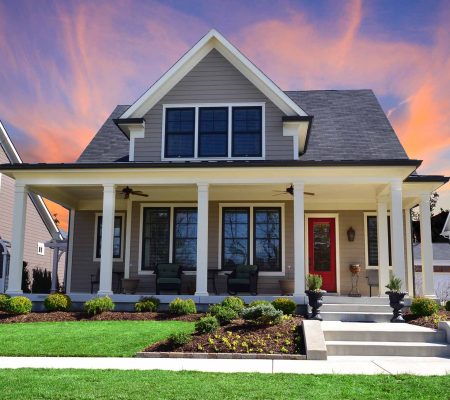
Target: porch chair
<point>372,279</point>
<point>168,277</point>
<point>244,278</point>
<point>95,279</point>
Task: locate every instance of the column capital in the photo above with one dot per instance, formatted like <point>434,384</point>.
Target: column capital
<point>20,187</point>
<point>425,198</point>
<point>298,185</point>
<point>396,184</point>
<point>202,186</point>
<point>107,187</point>
<point>382,199</point>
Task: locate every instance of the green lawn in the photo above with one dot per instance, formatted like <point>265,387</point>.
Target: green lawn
<point>98,384</point>
<point>92,338</point>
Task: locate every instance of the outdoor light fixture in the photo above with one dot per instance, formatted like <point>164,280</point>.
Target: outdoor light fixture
<point>351,234</point>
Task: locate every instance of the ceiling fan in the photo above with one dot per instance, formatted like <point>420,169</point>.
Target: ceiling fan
<point>290,190</point>
<point>127,191</point>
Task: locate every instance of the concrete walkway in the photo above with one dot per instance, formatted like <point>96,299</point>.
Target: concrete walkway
<point>334,365</point>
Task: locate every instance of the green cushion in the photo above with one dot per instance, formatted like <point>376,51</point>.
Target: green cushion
<point>238,281</point>
<point>168,270</point>
<point>175,281</point>
<point>244,271</point>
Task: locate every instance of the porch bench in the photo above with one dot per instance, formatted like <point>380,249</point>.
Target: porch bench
<point>168,277</point>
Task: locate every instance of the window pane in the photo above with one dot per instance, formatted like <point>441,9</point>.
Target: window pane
<point>267,231</point>
<point>247,131</point>
<point>235,234</point>
<point>246,144</point>
<point>156,237</point>
<point>322,246</point>
<point>117,241</point>
<point>180,131</point>
<point>372,240</point>
<point>213,132</point>
<point>185,238</point>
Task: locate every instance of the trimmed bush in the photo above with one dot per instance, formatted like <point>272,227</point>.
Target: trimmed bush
<point>423,307</point>
<point>263,314</point>
<point>179,338</point>
<point>287,306</point>
<point>223,314</point>
<point>447,305</point>
<point>147,304</point>
<point>58,302</point>
<point>97,305</point>
<point>182,307</point>
<point>42,281</point>
<point>233,302</point>
<point>19,305</point>
<point>259,303</point>
<point>207,324</point>
<point>4,298</point>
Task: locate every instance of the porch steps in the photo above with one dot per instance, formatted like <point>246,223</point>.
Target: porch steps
<point>383,339</point>
<point>356,312</point>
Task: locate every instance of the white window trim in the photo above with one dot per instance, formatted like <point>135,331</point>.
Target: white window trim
<point>366,241</point>
<point>170,206</point>
<point>122,232</point>
<point>251,206</point>
<point>39,246</point>
<point>196,106</point>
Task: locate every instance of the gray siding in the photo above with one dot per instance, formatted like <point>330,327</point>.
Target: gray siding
<point>214,80</point>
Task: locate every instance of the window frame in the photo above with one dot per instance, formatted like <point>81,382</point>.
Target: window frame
<point>200,134</point>
<point>175,209</point>
<point>222,218</point>
<point>122,236</point>
<point>366,241</point>
<point>230,106</point>
<point>40,245</point>
<point>194,133</point>
<point>233,131</point>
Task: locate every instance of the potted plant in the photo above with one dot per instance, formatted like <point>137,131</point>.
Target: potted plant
<point>396,298</point>
<point>315,295</point>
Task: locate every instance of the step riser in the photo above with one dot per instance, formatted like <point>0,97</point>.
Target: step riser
<point>380,336</point>
<point>363,308</point>
<point>360,300</point>
<point>345,317</point>
<point>403,351</point>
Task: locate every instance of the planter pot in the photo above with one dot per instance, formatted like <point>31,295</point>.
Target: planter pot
<point>397,302</point>
<point>315,302</point>
<point>355,268</point>
<point>129,286</point>
<point>286,287</point>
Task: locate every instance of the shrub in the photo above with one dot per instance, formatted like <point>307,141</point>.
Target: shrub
<point>447,305</point>
<point>207,324</point>
<point>259,302</point>
<point>182,307</point>
<point>97,305</point>
<point>233,302</point>
<point>4,298</point>
<point>223,314</point>
<point>287,306</point>
<point>179,338</point>
<point>314,282</point>
<point>42,281</point>
<point>263,314</point>
<point>19,305</point>
<point>395,284</point>
<point>423,307</point>
<point>149,304</point>
<point>58,302</point>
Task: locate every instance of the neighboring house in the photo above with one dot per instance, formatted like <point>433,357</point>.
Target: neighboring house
<point>235,171</point>
<point>39,227</point>
<point>446,229</point>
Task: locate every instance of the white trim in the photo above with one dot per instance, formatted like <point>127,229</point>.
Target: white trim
<point>126,274</point>
<point>135,133</point>
<point>70,250</point>
<point>336,235</point>
<point>122,231</point>
<point>212,40</point>
<point>251,206</point>
<point>171,206</point>
<point>229,106</point>
<point>366,243</point>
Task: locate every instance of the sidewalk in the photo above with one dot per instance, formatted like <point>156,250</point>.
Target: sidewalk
<point>334,365</point>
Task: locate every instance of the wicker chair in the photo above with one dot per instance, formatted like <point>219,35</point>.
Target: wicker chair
<point>244,278</point>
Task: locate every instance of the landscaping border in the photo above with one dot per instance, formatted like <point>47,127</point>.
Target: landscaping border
<point>223,356</point>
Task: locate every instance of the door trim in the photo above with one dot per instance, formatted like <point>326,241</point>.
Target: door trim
<point>338,259</point>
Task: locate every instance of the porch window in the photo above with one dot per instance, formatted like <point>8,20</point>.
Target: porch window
<point>267,241</point>
<point>185,238</point>
<point>156,237</point>
<point>235,236</point>
<point>247,131</point>
<point>213,132</point>
<point>117,243</point>
<point>180,132</point>
<point>372,240</point>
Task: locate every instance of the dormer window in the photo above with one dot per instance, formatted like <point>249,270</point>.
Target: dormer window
<point>213,131</point>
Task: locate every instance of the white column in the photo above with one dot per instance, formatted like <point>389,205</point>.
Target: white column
<point>128,239</point>
<point>106,261</point>
<point>18,238</point>
<point>409,256</point>
<point>426,246</point>
<point>68,277</point>
<point>398,243</point>
<point>299,239</point>
<point>55,260</point>
<point>202,240</point>
<point>383,246</point>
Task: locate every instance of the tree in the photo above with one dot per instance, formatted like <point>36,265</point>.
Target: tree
<point>415,214</point>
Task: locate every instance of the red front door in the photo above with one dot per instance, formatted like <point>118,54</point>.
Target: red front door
<point>322,250</point>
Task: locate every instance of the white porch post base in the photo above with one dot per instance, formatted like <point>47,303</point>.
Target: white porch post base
<point>202,240</point>
<point>299,239</point>
<point>426,247</point>
<point>398,243</point>
<point>383,247</point>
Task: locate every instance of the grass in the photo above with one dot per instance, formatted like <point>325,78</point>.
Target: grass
<point>82,339</point>
<point>108,384</point>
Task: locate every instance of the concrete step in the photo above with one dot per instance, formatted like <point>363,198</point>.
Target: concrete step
<point>352,316</point>
<point>364,308</point>
<point>404,349</point>
<point>334,299</point>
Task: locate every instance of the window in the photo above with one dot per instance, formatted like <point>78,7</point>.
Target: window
<point>247,131</point>
<point>235,236</point>
<point>180,132</point>
<point>213,132</point>
<point>117,241</point>
<point>155,237</point>
<point>40,249</point>
<point>372,240</point>
<point>185,238</point>
<point>267,242</point>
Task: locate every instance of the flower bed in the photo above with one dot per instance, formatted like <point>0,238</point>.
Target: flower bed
<point>429,322</point>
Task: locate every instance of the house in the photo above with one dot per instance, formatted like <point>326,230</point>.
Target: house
<point>40,226</point>
<point>215,166</point>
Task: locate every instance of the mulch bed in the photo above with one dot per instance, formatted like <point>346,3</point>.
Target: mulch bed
<point>428,322</point>
<point>60,316</point>
<point>242,337</point>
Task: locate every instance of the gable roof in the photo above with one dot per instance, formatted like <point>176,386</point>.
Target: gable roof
<point>38,202</point>
<point>212,40</point>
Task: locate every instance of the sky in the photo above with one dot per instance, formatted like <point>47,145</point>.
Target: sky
<point>64,65</point>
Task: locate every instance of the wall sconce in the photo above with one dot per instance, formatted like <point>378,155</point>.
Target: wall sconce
<point>351,234</point>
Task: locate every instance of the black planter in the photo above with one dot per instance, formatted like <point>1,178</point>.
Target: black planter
<point>396,301</point>
<point>315,302</point>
